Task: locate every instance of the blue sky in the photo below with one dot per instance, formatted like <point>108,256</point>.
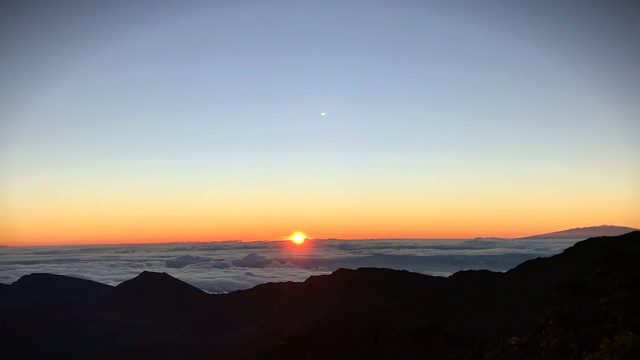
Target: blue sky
<point>197,105</point>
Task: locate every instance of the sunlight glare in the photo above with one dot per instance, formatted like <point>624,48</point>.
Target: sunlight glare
<point>298,237</point>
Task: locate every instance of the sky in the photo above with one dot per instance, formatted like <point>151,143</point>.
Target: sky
<point>227,266</point>
<point>140,121</point>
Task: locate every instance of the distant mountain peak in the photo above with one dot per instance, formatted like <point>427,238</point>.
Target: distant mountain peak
<point>585,232</point>
<point>60,287</point>
<point>146,275</point>
<point>157,283</point>
<point>152,293</point>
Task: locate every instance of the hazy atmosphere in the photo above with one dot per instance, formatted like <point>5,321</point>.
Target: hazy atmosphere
<point>227,266</point>
<point>140,121</point>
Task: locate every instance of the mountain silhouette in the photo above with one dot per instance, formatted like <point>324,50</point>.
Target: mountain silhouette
<point>580,302</point>
<point>58,288</point>
<point>585,232</point>
<point>154,294</point>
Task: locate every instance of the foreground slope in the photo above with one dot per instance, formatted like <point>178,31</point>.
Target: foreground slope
<point>475,313</point>
<point>562,306</point>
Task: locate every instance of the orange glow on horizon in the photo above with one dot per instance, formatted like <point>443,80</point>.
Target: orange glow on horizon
<point>44,224</point>
<point>342,234</point>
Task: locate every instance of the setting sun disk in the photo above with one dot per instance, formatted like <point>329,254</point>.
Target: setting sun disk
<point>298,237</point>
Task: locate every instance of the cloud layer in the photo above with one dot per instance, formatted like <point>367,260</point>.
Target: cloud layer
<point>228,266</point>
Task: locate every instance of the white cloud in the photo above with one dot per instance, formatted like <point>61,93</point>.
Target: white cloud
<point>184,260</point>
<point>233,265</point>
<point>254,260</point>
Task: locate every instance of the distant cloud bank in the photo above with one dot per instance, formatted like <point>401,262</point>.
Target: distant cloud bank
<point>229,266</point>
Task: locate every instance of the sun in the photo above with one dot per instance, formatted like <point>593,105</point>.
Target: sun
<point>298,237</point>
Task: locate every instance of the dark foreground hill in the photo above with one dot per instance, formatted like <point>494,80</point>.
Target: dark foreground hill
<point>583,303</point>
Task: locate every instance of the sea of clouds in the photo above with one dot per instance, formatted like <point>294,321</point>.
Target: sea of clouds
<point>218,267</point>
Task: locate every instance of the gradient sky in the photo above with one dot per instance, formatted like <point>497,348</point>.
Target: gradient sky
<point>126,121</point>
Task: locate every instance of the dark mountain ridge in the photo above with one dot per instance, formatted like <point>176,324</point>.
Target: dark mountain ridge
<point>154,295</point>
<point>564,306</point>
<point>585,232</point>
<point>58,288</point>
